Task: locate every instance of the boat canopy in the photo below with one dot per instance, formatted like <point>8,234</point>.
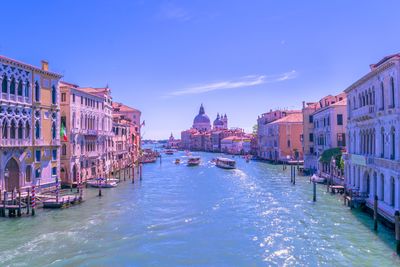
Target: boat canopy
<point>226,159</point>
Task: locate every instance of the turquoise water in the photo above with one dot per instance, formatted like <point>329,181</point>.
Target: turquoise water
<point>200,216</point>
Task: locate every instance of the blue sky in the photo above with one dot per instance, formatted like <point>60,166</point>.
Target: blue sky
<point>236,57</point>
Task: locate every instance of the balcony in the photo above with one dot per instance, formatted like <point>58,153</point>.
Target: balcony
<point>15,142</point>
<point>363,113</point>
<point>387,163</point>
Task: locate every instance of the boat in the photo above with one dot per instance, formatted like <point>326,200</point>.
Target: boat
<point>177,161</point>
<point>318,179</point>
<point>225,163</point>
<point>169,152</point>
<point>96,183</point>
<point>149,156</point>
<point>193,161</point>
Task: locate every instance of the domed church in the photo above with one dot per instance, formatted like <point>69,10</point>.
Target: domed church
<point>221,122</point>
<point>202,122</point>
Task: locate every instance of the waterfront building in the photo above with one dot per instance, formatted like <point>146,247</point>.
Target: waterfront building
<point>283,139</point>
<point>133,116</point>
<point>236,145</point>
<point>30,123</point>
<point>265,140</point>
<point>373,134</point>
<point>87,136</point>
<point>123,143</point>
<point>324,128</point>
<point>173,143</point>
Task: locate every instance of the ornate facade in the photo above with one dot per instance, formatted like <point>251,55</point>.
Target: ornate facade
<point>30,122</point>
<point>373,134</point>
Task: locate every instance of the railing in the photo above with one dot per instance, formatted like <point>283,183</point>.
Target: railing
<point>363,113</point>
<point>15,142</point>
<point>39,142</point>
<point>4,95</point>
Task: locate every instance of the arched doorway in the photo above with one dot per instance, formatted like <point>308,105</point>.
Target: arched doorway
<point>12,175</point>
<point>62,175</point>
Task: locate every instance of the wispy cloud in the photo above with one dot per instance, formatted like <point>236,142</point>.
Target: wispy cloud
<point>246,81</point>
<point>171,11</point>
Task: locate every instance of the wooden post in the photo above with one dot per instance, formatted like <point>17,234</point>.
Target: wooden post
<point>33,201</point>
<point>376,213</point>
<point>294,175</point>
<point>291,174</point>
<point>4,203</point>
<point>141,171</point>
<point>397,230</point>
<point>327,185</point>
<point>133,173</point>
<point>19,204</point>
<point>28,202</point>
<point>99,183</point>
<point>314,192</point>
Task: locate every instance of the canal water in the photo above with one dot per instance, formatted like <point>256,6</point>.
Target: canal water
<point>200,216</point>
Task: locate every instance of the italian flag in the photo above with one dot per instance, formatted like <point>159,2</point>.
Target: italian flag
<point>63,133</point>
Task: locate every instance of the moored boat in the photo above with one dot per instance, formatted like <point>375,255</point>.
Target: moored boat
<point>169,152</point>
<point>318,179</point>
<point>225,163</point>
<point>96,183</point>
<point>193,161</point>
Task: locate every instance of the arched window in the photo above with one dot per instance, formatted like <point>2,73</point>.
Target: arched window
<point>28,174</point>
<point>37,91</point>
<point>64,150</point>
<point>37,130</point>
<point>392,191</point>
<point>5,130</point>
<point>12,86</point>
<point>12,129</point>
<point>53,131</point>
<point>382,96</point>
<point>392,92</point>
<point>20,127</point>
<point>383,142</point>
<point>20,86</point>
<point>53,95</point>
<point>382,187</point>
<point>73,119</point>
<point>27,85</point>
<point>392,144</point>
<point>27,130</point>
<point>4,84</point>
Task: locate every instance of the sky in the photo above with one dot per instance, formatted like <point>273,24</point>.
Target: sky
<point>241,58</point>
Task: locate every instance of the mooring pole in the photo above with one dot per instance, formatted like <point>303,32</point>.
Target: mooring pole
<point>141,171</point>
<point>19,204</point>
<point>376,213</point>
<point>33,201</point>
<point>397,230</point>
<point>294,175</point>
<point>28,202</point>
<point>133,173</point>
<point>314,192</point>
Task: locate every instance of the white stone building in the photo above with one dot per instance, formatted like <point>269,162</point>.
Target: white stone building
<point>373,134</point>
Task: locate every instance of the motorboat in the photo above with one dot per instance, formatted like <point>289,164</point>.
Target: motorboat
<point>100,182</point>
<point>318,179</point>
<point>225,163</point>
<point>169,152</point>
<point>193,161</point>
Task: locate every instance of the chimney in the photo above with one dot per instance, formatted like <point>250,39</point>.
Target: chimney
<point>45,65</point>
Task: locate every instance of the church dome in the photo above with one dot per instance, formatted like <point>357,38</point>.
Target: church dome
<point>202,121</point>
<point>201,118</point>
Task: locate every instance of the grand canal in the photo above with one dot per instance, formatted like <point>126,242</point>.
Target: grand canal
<point>200,216</point>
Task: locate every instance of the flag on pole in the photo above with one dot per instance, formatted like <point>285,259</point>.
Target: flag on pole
<point>63,133</point>
<point>143,124</point>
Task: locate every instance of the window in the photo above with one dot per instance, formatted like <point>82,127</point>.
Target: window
<point>12,130</point>
<point>81,100</point>
<point>311,150</point>
<point>54,131</point>
<point>339,119</point>
<point>341,139</point>
<point>382,196</point>
<point>311,137</point>
<point>37,91</point>
<point>54,154</point>
<point>38,173</point>
<point>392,92</point>
<point>288,143</point>
<point>54,171</point>
<point>382,96</point>
<point>27,85</point>
<point>393,144</point>
<point>37,130</point>
<point>64,150</point>
<point>310,119</point>
<point>38,155</point>
<point>28,174</point>
<point>53,95</point>
<point>4,84</point>
<point>63,97</point>
<point>20,89</point>
<point>12,86</point>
